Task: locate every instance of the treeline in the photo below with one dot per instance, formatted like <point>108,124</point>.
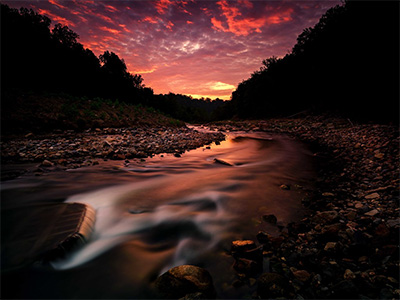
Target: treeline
<point>347,63</point>
<point>38,58</point>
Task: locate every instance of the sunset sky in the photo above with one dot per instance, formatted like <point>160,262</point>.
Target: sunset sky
<point>197,48</point>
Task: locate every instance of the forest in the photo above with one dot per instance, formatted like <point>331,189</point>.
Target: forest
<point>346,64</point>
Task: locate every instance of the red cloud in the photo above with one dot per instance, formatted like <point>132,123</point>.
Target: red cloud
<point>281,17</point>
<point>150,20</point>
<point>162,5</point>
<point>169,25</point>
<point>239,25</point>
<point>57,4</point>
<point>110,8</point>
<point>113,31</point>
<point>56,18</point>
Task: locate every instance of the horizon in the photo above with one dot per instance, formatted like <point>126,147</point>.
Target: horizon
<point>202,49</point>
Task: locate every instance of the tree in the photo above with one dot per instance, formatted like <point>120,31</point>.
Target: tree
<point>65,36</point>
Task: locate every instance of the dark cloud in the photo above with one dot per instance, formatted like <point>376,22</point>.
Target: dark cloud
<point>200,48</point>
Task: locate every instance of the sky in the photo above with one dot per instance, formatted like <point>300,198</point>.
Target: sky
<point>196,48</point>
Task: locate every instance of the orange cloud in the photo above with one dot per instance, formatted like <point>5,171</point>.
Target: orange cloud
<point>110,8</point>
<point>150,20</point>
<point>113,31</point>
<point>170,25</point>
<point>162,5</point>
<point>57,4</point>
<point>281,17</point>
<point>123,26</point>
<point>239,25</point>
<point>56,18</point>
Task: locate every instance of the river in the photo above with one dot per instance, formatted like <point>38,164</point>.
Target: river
<point>166,211</point>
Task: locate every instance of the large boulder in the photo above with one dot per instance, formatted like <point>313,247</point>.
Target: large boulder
<point>181,281</point>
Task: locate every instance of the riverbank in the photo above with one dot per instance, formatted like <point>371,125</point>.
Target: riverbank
<point>348,246</point>
<point>71,150</point>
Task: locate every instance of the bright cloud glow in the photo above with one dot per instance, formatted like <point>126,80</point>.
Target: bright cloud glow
<point>198,48</point>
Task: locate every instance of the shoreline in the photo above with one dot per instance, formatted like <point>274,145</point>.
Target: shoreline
<point>347,246</point>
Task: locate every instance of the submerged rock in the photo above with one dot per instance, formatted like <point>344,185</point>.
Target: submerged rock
<point>184,282</point>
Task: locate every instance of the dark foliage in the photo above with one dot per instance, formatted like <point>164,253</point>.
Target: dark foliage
<point>347,63</point>
<point>36,58</point>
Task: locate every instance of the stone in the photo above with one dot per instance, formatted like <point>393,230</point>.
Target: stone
<point>372,213</point>
<point>372,196</point>
<point>348,274</point>
<point>327,194</point>
<point>263,237</point>
<point>330,246</point>
<point>270,219</point>
<point>272,286</point>
<point>325,216</point>
<point>285,187</point>
<point>47,163</point>
<point>185,280</point>
<point>222,162</point>
<point>242,245</point>
<point>301,275</point>
<point>247,266</point>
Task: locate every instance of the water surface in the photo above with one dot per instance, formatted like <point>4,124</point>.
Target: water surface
<point>166,211</point>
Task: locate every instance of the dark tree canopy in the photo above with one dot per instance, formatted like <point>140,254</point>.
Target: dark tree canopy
<point>347,63</point>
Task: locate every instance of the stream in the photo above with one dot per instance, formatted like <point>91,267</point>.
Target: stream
<point>166,211</point>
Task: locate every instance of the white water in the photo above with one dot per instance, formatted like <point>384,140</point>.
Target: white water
<point>168,211</point>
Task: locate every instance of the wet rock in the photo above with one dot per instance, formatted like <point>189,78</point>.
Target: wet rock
<point>273,285</point>
<point>270,219</point>
<point>185,280</point>
<point>47,163</point>
<point>330,246</point>
<point>301,275</point>
<point>372,213</point>
<point>247,266</point>
<point>263,237</point>
<point>326,216</point>
<point>241,246</point>
<point>372,196</point>
<point>222,162</point>
<point>285,187</point>
<point>348,274</point>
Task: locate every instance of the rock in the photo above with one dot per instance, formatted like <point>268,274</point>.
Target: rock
<point>326,194</point>
<point>29,135</point>
<point>272,286</point>
<point>285,187</point>
<point>348,274</point>
<point>222,162</point>
<point>47,163</point>
<point>325,216</point>
<point>184,280</point>
<point>372,213</point>
<point>270,219</point>
<point>382,231</point>
<point>330,246</point>
<point>301,275</point>
<point>247,266</point>
<point>263,237</point>
<point>241,246</point>
<point>372,196</point>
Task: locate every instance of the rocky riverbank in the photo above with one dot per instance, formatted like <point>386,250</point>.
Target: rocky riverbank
<point>70,149</point>
<point>348,246</point>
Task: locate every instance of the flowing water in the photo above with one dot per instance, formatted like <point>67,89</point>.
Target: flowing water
<point>164,212</point>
